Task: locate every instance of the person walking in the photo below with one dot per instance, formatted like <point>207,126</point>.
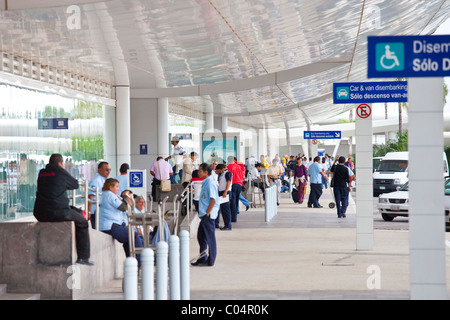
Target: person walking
<point>237,169</point>
<point>300,179</point>
<point>316,174</point>
<point>342,186</point>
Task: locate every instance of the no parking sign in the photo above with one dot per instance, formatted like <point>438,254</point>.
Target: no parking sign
<point>364,111</point>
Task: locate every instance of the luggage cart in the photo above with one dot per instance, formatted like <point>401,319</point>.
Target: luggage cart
<point>147,221</point>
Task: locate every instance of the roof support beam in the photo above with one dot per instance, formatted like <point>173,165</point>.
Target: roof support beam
<point>239,85</point>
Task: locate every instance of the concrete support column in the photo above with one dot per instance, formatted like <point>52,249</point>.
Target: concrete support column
<point>163,127</point>
<point>224,124</point>
<point>261,143</point>
<point>209,121</point>
<point>364,181</point>
<point>123,125</point>
<point>426,191</point>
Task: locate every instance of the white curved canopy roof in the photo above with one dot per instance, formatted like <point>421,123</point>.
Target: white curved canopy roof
<point>260,62</point>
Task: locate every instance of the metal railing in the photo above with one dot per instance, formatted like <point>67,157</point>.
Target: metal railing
<point>84,185</point>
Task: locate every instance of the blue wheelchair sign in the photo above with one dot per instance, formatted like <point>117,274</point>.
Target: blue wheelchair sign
<point>136,179</point>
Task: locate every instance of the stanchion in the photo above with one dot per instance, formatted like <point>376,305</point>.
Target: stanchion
<point>162,252</point>
<point>184,265</point>
<point>174,267</point>
<point>147,267</point>
<point>131,279</point>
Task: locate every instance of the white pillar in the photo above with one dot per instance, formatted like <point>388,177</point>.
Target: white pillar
<point>209,121</point>
<point>163,127</point>
<point>426,189</point>
<point>364,182</point>
<point>224,124</point>
<point>123,126</point>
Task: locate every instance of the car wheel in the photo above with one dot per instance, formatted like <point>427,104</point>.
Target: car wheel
<point>387,217</point>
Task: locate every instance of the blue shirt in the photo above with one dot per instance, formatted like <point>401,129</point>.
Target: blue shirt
<point>314,171</point>
<point>109,213</point>
<point>123,179</point>
<point>209,190</point>
<point>97,182</point>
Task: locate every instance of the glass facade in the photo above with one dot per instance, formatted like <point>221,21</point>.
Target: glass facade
<point>35,124</point>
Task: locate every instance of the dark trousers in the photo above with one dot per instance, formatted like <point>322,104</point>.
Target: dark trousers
<point>341,198</point>
<point>206,237</point>
<point>225,211</point>
<point>155,184</point>
<point>120,233</point>
<point>82,241</point>
<point>314,195</point>
<point>236,190</point>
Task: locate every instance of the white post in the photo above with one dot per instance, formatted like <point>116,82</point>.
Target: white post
<point>130,285</point>
<point>162,252</point>
<point>163,127</point>
<point>174,267</point>
<point>184,265</point>
<point>147,267</point>
<point>123,125</point>
<point>426,189</point>
<point>364,178</point>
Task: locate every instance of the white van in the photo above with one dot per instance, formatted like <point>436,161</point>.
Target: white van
<point>392,172</point>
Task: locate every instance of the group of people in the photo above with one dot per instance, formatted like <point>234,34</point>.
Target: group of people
<point>298,172</point>
<point>317,173</point>
<point>52,205</point>
<point>218,193</point>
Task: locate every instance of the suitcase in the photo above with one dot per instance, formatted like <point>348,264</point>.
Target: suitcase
<point>295,196</point>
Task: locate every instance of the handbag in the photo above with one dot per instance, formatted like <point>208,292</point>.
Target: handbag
<point>165,186</point>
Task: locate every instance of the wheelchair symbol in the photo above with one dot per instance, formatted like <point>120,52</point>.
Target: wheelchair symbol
<point>389,55</point>
<point>136,180</point>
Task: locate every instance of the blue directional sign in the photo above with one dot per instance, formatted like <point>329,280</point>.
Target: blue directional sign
<point>320,135</point>
<point>370,92</point>
<point>408,56</point>
<point>53,123</point>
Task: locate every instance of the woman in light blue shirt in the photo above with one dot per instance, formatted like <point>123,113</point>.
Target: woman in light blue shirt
<point>113,218</point>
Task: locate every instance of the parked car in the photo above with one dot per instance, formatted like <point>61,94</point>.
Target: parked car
<point>396,204</point>
<point>392,172</point>
<point>447,202</point>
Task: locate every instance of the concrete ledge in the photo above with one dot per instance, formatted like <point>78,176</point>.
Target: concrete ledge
<point>38,257</point>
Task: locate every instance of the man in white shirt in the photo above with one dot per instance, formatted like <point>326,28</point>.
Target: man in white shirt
<point>177,156</point>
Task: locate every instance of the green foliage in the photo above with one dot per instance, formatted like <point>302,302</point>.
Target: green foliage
<point>393,145</point>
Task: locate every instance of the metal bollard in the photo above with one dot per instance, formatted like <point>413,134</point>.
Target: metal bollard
<point>147,267</point>
<point>131,279</point>
<point>184,265</point>
<point>174,267</point>
<point>162,252</point>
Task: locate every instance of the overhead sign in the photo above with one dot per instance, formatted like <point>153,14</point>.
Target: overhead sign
<point>320,135</point>
<point>370,92</point>
<point>408,56</point>
<point>363,111</point>
<point>53,123</point>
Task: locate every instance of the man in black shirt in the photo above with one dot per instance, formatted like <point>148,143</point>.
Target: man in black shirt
<point>341,188</point>
<point>52,204</point>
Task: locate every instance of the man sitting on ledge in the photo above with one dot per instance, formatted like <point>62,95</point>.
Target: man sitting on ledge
<point>52,204</point>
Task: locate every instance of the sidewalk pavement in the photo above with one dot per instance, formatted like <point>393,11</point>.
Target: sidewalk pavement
<point>303,253</point>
